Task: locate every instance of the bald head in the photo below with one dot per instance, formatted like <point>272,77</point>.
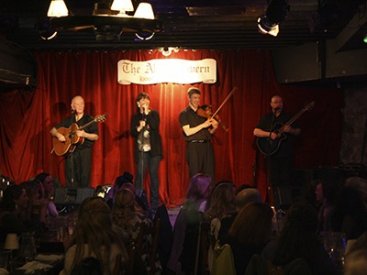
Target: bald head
<point>276,103</point>
<point>77,104</point>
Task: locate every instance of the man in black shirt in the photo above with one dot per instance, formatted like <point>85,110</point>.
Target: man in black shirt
<point>198,131</point>
<point>279,162</point>
<point>148,146</point>
<point>78,162</point>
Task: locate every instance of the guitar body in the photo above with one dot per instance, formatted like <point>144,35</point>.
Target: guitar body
<point>61,148</point>
<point>71,138</point>
<point>269,147</point>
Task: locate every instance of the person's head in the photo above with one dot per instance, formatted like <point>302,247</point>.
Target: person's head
<point>246,196</point>
<point>125,198</point>
<point>276,103</point>
<point>221,200</point>
<point>298,238</point>
<point>48,183</point>
<point>15,197</point>
<point>143,101</point>
<point>252,224</point>
<point>199,187</point>
<point>94,215</point>
<point>327,190</point>
<point>194,96</point>
<point>77,104</point>
<point>126,177</point>
<point>94,228</point>
<point>359,184</point>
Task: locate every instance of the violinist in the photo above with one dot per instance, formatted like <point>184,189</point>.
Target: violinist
<point>198,131</point>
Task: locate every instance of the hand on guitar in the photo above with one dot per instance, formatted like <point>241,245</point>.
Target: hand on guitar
<point>274,135</point>
<point>80,133</point>
<point>61,137</point>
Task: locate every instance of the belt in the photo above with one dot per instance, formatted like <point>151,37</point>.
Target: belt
<point>198,141</point>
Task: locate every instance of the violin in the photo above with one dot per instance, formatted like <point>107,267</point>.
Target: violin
<point>206,111</point>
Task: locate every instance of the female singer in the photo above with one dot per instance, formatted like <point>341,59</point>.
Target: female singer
<point>148,146</point>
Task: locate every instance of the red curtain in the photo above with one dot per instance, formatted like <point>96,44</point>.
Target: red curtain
<point>27,117</point>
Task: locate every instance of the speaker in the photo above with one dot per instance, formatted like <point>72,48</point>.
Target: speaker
<point>72,195</point>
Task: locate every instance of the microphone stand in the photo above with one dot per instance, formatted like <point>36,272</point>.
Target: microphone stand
<point>144,118</point>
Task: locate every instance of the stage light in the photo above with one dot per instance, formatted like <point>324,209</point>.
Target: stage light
<point>275,14</point>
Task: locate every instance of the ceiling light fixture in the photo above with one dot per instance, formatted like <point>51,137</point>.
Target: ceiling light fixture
<point>57,8</point>
<point>122,6</point>
<point>276,12</point>
<point>144,11</point>
<point>107,21</point>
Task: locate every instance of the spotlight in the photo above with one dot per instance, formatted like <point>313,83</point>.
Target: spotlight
<point>275,13</point>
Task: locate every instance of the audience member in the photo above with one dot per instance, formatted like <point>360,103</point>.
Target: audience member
<point>299,239</point>
<point>186,228</point>
<point>94,237</point>
<point>326,192</point>
<point>249,233</point>
<point>221,201</point>
<point>356,257</point>
<point>350,215</point>
<point>126,181</point>
<point>14,214</point>
<point>244,197</point>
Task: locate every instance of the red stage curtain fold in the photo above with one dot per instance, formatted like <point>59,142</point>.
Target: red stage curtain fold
<point>26,117</point>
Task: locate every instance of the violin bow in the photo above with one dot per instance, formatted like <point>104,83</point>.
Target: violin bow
<point>224,101</point>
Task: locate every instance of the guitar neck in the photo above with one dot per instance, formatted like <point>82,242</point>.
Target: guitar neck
<point>295,117</point>
<point>87,124</point>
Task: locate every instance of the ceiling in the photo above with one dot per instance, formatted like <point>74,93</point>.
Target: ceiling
<point>230,24</point>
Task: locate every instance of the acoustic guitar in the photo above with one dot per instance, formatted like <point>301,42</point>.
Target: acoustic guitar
<point>269,147</point>
<point>71,138</point>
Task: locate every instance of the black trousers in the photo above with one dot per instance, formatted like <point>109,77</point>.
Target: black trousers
<point>144,161</point>
<point>200,157</point>
<point>78,167</point>
<point>280,172</point>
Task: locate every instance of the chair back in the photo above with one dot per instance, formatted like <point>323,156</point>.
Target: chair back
<point>223,261</point>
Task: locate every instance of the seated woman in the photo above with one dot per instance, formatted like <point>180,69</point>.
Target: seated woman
<point>128,215</point>
<point>94,237</point>
<point>221,201</point>
<point>186,228</point>
<point>125,181</point>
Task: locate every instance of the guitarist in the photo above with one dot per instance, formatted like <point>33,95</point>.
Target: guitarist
<point>78,162</point>
<point>280,163</point>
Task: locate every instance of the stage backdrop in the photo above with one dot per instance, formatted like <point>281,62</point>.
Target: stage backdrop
<point>27,117</point>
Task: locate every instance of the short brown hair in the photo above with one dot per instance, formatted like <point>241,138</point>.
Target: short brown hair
<point>141,96</point>
<point>193,90</point>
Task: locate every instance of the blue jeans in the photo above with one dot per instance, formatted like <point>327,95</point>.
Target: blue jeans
<point>144,161</point>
